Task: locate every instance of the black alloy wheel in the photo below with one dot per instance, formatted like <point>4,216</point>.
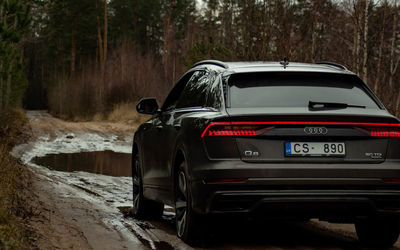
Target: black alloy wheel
<point>143,208</point>
<point>379,232</point>
<point>187,221</point>
<point>136,181</point>
<point>181,204</point>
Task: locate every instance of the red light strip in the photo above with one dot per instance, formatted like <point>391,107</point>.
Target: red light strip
<point>385,133</point>
<point>393,180</point>
<point>314,123</point>
<point>307,123</point>
<point>213,124</point>
<point>230,132</point>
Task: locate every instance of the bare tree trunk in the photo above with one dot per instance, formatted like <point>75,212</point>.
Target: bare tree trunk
<point>365,43</point>
<point>123,58</point>
<point>11,58</point>
<point>393,62</point>
<point>381,42</point>
<point>73,46</point>
<point>314,32</point>
<point>105,35</point>
<point>99,39</point>
<point>166,36</point>
<point>265,38</point>
<point>244,33</point>
<point>398,104</point>
<point>135,4</point>
<point>101,55</point>
<point>359,17</point>
<point>354,52</point>
<point>357,36</point>
<point>1,88</point>
<point>5,87</point>
<point>1,71</point>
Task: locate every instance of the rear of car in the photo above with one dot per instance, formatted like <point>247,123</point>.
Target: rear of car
<point>302,143</point>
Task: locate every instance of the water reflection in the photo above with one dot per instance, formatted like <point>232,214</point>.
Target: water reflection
<point>100,162</point>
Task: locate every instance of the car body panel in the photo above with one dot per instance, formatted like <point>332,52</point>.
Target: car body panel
<point>223,179</point>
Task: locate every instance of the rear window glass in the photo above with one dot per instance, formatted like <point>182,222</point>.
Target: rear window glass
<point>296,90</point>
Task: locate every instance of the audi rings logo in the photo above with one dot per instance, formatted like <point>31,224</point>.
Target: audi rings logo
<point>315,130</point>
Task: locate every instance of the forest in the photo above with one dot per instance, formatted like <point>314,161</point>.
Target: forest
<point>82,58</point>
<point>91,60</point>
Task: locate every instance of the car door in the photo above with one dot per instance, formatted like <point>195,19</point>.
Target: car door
<point>156,158</point>
<point>192,99</point>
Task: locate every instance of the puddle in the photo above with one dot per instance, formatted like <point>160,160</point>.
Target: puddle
<point>99,162</point>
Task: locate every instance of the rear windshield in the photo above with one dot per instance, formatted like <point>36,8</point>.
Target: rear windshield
<point>296,90</point>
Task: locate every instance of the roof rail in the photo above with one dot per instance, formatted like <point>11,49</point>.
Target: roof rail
<point>212,62</point>
<point>333,64</point>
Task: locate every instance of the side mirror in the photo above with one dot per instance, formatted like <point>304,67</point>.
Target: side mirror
<point>147,106</point>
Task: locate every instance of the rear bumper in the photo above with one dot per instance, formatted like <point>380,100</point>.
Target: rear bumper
<point>298,203</point>
<point>310,204</point>
<point>312,191</point>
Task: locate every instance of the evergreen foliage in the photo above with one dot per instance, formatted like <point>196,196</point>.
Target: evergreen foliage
<point>71,40</point>
<point>14,22</point>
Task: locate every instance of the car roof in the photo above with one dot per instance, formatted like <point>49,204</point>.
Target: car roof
<point>283,66</point>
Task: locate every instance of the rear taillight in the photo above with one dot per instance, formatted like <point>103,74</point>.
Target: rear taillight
<point>231,129</point>
<point>258,128</point>
<point>392,180</point>
<point>385,132</point>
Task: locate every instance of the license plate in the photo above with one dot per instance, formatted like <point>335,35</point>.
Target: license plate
<point>315,149</point>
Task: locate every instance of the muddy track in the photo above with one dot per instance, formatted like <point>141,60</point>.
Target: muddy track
<point>79,210</point>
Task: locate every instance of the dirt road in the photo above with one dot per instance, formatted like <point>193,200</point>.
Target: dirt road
<point>79,210</point>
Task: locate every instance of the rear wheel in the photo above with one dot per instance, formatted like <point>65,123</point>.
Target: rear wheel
<point>379,231</point>
<point>187,223</point>
<point>142,207</point>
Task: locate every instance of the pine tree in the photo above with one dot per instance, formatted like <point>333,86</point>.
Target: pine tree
<point>14,20</point>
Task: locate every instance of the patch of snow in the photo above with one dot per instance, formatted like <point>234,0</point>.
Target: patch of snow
<point>64,144</point>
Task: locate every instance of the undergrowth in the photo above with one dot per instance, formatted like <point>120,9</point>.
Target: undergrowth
<point>121,112</point>
<point>125,112</point>
<point>13,178</point>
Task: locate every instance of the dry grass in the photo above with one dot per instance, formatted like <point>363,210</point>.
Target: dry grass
<point>125,112</point>
<point>13,234</point>
<point>12,129</point>
<point>121,112</point>
<point>13,179</point>
<point>129,76</point>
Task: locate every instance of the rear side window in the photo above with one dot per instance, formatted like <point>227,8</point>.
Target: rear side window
<point>214,96</point>
<point>296,90</point>
<point>195,92</point>
<point>173,97</point>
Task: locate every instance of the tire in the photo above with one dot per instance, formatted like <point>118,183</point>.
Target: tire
<point>379,232</point>
<point>142,207</point>
<point>188,227</point>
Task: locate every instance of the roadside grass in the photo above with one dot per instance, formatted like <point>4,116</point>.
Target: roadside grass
<point>121,112</point>
<point>125,112</point>
<point>12,129</point>
<point>14,234</point>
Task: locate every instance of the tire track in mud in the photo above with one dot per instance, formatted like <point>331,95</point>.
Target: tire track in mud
<point>156,245</point>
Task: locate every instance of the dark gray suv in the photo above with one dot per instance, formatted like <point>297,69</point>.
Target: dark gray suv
<point>272,140</point>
